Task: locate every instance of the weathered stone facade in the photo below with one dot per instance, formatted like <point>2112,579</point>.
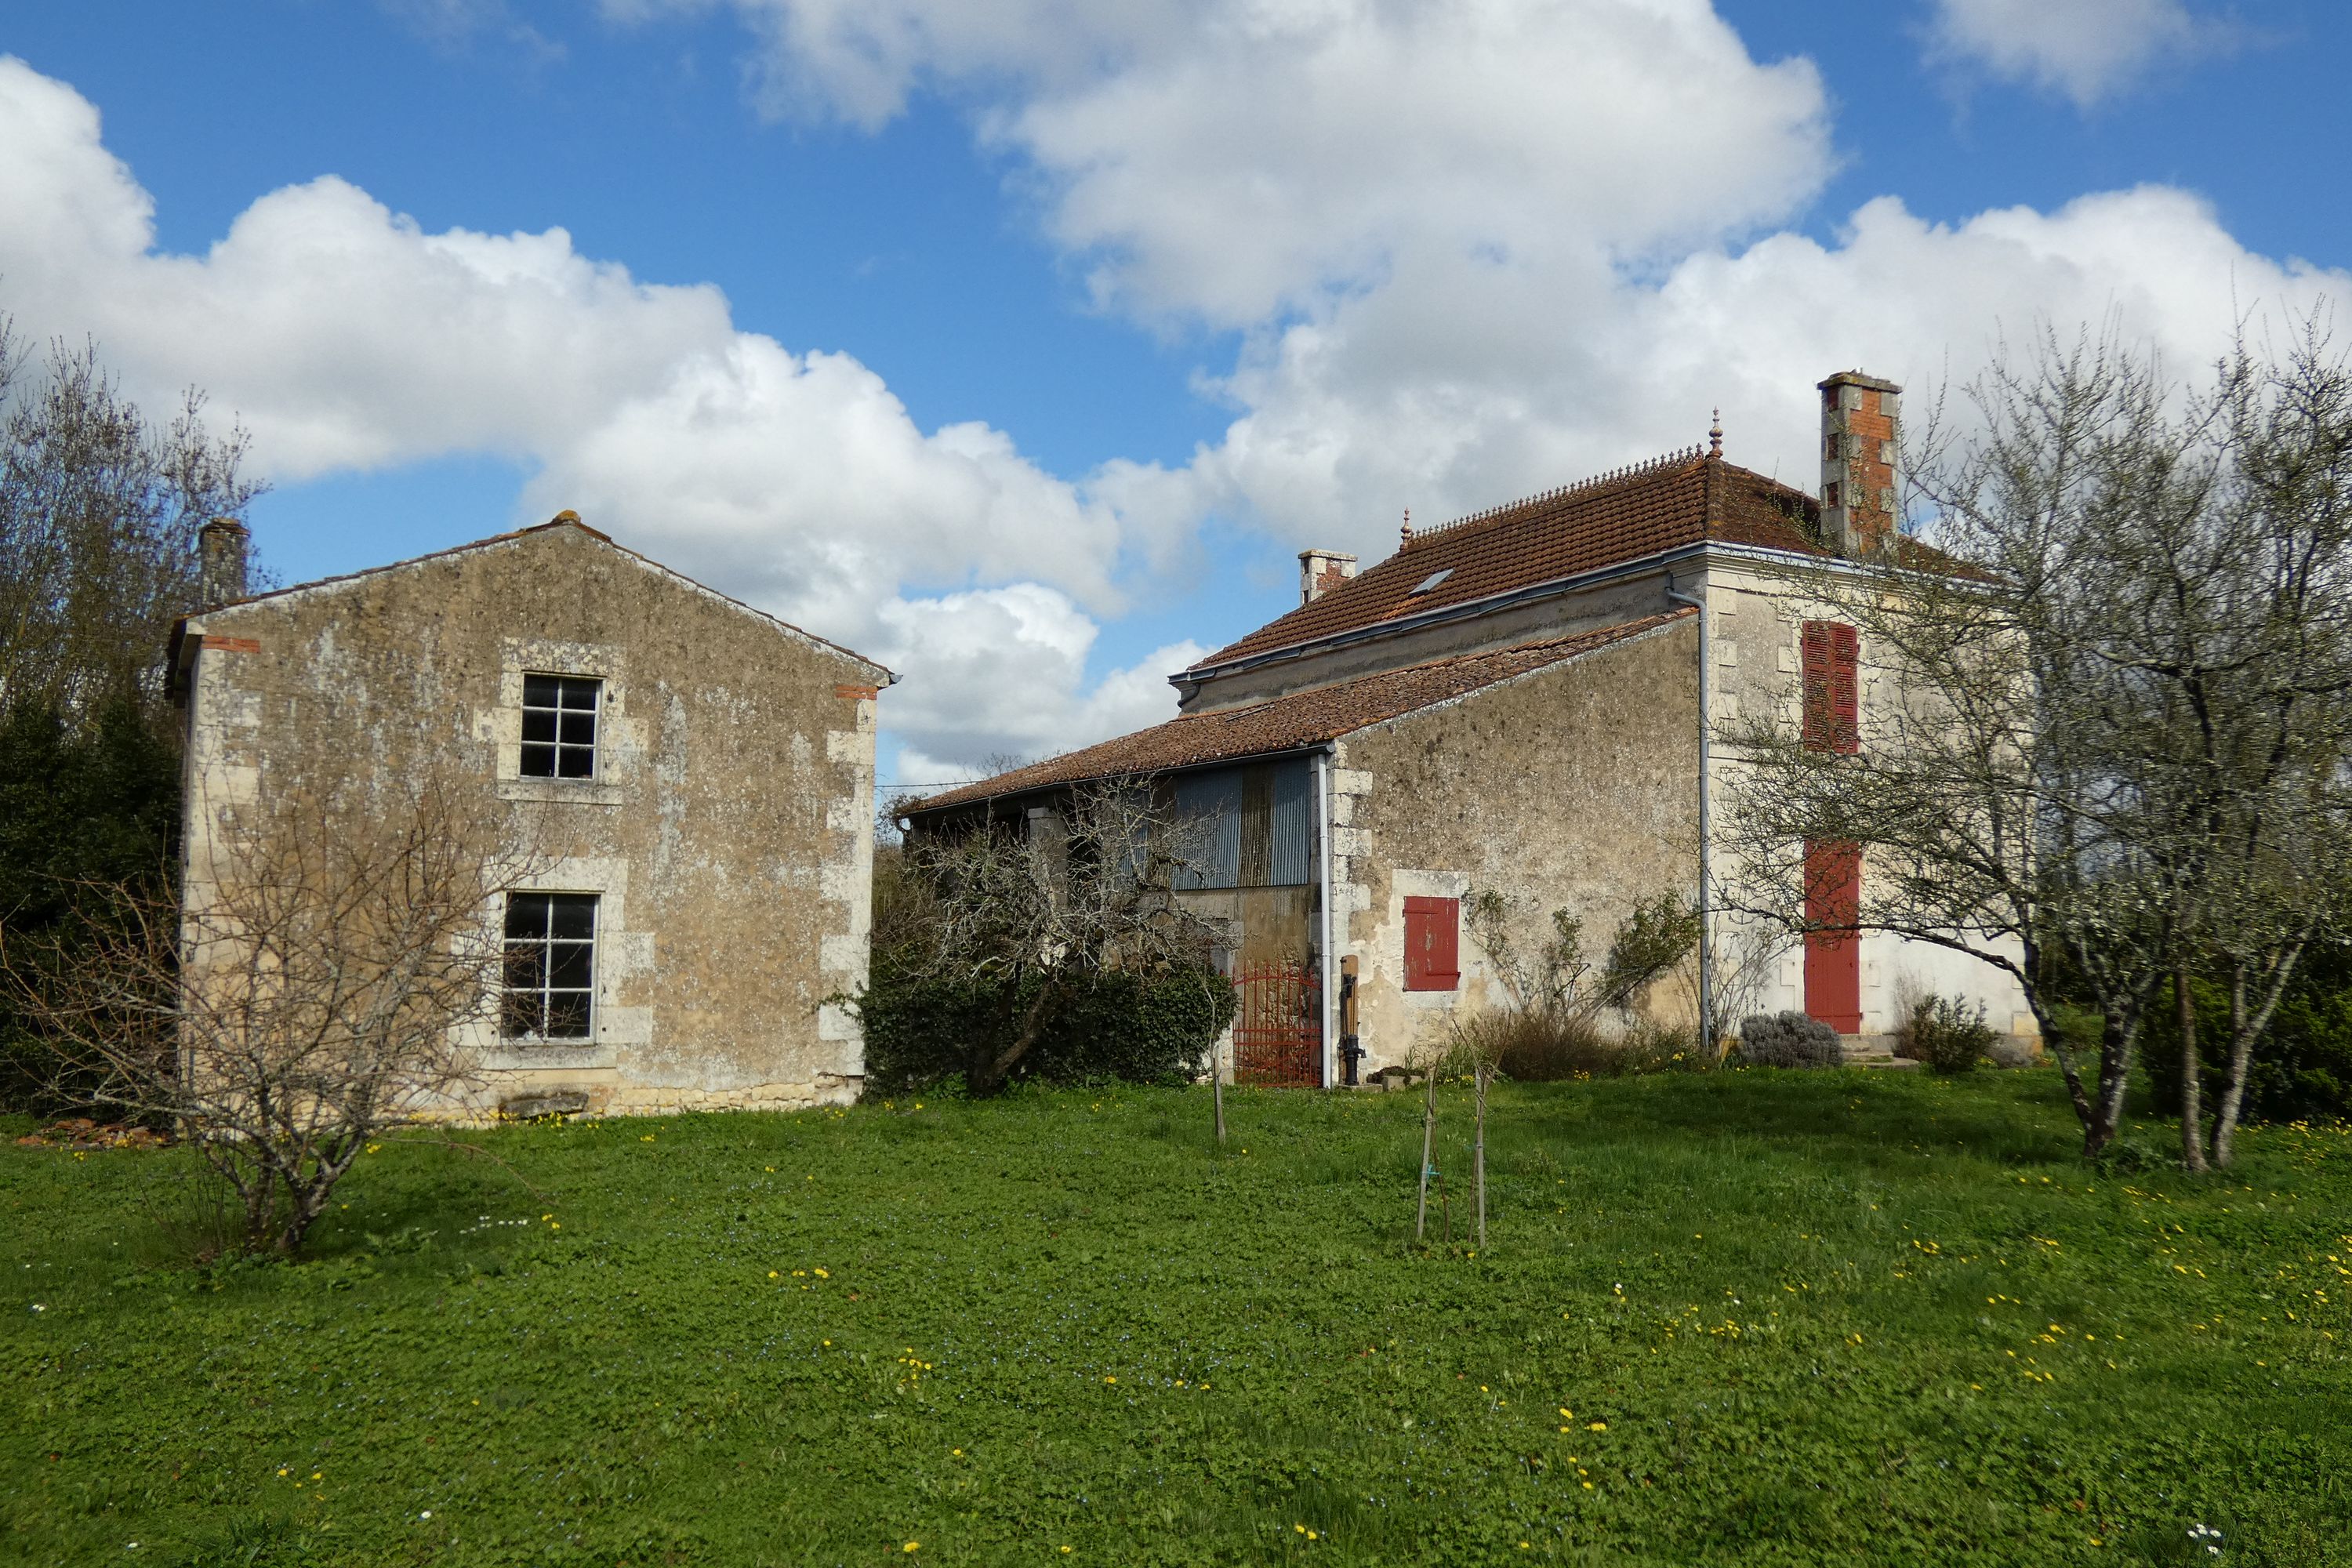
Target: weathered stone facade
<point>1512,703</point>
<point>724,830</point>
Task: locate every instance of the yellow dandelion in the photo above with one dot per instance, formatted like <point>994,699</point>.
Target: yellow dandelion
<point>913,1546</point>
<point>1598,1426</point>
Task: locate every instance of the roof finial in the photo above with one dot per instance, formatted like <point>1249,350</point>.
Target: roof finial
<point>1404,534</point>
<point>1714,436</point>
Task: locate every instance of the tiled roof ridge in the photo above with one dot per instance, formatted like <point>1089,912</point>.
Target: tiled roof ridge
<point>1659,464</point>
<point>1316,723</point>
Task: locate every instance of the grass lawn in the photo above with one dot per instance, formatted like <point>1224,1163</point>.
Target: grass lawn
<point>1852,1317</point>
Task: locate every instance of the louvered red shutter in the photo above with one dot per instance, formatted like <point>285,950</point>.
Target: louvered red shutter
<point>1433,944</point>
<point>1845,688</point>
<point>1815,645</point>
<point>1832,675</point>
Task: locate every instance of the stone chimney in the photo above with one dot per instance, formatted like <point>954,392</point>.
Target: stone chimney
<point>1321,571</point>
<point>1862,425</point>
<point>220,563</point>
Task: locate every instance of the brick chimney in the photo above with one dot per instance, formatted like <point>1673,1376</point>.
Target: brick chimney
<point>220,563</point>
<point>1862,425</point>
<point>1321,571</point>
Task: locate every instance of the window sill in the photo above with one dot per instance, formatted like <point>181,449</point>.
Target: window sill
<point>562,792</point>
<point>508,1055</point>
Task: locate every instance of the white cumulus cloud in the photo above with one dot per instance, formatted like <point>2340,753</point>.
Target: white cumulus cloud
<point>2082,50</point>
<point>345,337</point>
<point>1480,248</point>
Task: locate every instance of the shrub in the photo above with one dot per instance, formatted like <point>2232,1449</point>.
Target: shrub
<point>1789,1040</point>
<point>1558,1045</point>
<point>921,1032</point>
<point>2302,1064</point>
<point>1945,1034</point>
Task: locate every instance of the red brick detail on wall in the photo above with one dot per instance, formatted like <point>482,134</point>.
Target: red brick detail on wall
<point>232,645</point>
<point>857,693</point>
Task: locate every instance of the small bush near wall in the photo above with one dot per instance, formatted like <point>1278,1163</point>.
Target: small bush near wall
<point>1789,1040</point>
<point>1948,1035</point>
<point>922,1033</point>
<point>1552,1047</point>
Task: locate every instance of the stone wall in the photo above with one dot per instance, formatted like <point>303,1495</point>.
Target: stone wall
<point>1574,787</point>
<point>727,832</point>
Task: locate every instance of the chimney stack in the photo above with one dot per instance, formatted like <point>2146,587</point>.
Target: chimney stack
<point>1321,571</point>
<point>1861,427</point>
<point>220,563</point>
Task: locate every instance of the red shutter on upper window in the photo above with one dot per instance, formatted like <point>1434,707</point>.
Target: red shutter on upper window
<point>1433,944</point>
<point>1845,688</point>
<point>1832,661</point>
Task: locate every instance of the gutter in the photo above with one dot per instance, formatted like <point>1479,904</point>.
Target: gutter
<point>1705,810</point>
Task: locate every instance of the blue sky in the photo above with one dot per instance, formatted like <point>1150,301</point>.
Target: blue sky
<point>1024,348</point>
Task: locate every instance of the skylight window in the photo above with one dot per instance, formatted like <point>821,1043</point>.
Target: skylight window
<point>1432,581</point>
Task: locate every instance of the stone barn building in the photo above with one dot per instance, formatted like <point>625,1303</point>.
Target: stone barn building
<point>1520,701</point>
<point>694,777</point>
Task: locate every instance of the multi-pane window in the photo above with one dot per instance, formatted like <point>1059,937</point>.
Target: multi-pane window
<point>559,726</point>
<point>551,966</point>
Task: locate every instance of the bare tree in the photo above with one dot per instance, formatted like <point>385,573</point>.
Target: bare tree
<point>1038,910</point>
<point>2110,706</point>
<point>330,976</point>
<point>98,514</point>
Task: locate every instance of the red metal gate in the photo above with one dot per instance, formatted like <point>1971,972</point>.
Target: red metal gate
<point>1278,1030</point>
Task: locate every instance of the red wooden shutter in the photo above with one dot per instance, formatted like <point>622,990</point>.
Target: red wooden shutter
<point>1433,944</point>
<point>1832,661</point>
<point>1833,955</point>
<point>1845,688</point>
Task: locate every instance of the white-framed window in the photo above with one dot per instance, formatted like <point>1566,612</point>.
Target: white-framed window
<point>551,967</point>
<point>559,725</point>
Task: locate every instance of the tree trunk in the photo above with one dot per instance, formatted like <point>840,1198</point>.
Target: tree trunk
<point>996,1070</point>
<point>2192,1091</point>
<point>1428,1147</point>
<point>1478,1154</point>
<point>2055,1037</point>
<point>2244,1030</point>
<point>2115,1037</point>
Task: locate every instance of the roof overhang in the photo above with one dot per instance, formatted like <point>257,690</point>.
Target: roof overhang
<point>1700,552</point>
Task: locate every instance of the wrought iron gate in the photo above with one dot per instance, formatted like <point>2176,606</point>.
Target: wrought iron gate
<point>1278,1030</point>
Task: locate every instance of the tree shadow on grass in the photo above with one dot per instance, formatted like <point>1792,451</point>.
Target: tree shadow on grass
<point>1874,1118</point>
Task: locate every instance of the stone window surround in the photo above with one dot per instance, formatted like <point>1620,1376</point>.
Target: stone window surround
<point>518,656</point>
<point>621,954</point>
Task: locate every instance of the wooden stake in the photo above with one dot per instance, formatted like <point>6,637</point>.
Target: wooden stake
<point>1478,1154</point>
<point>1217,1092</point>
<point>1428,1147</point>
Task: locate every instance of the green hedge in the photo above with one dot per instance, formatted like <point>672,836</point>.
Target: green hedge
<point>96,802</point>
<point>2303,1063</point>
<point>922,1033</point>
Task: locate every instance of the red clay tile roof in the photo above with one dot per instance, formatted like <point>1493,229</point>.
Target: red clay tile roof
<point>1301,719</point>
<point>1673,501</point>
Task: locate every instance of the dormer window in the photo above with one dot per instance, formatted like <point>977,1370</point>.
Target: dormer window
<point>559,726</point>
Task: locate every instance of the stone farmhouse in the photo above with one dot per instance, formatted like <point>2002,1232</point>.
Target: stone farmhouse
<point>695,777</point>
<point>1520,701</point>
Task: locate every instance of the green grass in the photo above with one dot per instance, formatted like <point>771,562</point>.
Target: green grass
<point>1865,1318</point>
